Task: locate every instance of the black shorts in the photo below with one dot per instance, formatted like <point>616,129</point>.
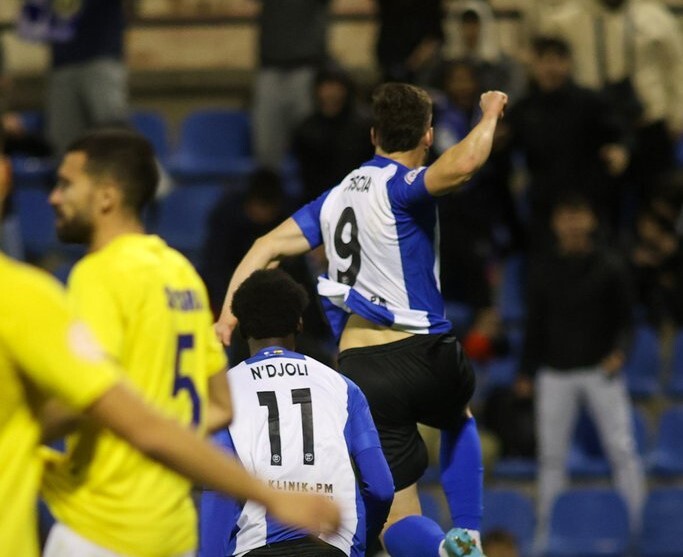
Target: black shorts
<point>423,378</point>
<point>301,547</point>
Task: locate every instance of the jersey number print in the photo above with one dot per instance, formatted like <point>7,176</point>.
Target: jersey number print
<point>183,382</point>
<point>299,396</point>
<point>350,248</point>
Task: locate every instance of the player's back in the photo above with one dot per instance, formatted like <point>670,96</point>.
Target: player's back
<point>37,344</point>
<point>149,310</point>
<point>380,231</point>
<point>289,427</point>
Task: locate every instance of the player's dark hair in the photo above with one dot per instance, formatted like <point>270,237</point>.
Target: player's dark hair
<point>543,45</point>
<point>269,304</point>
<point>402,114</point>
<point>126,157</point>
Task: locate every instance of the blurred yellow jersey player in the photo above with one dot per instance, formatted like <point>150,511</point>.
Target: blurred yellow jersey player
<point>42,352</point>
<point>149,310</point>
<point>45,353</point>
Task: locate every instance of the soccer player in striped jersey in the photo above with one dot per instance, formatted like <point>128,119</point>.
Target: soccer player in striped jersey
<point>380,233</point>
<point>296,424</point>
<point>46,353</point>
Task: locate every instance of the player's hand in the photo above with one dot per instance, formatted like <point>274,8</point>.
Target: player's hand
<point>493,102</point>
<point>314,513</point>
<point>224,328</point>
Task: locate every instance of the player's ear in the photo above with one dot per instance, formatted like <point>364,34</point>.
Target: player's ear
<point>373,137</point>
<point>300,325</point>
<point>428,137</point>
<point>108,196</point>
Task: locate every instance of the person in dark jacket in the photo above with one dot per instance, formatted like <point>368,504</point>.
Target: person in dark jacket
<point>578,333</point>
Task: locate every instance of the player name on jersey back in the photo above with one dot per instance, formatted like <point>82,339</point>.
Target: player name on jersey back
<point>359,183</point>
<point>280,369</point>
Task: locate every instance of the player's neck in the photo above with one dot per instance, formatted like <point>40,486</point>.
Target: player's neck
<point>109,229</point>
<point>411,159</point>
<point>255,345</point>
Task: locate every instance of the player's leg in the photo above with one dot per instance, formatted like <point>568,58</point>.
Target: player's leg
<point>460,458</point>
<point>408,534</point>
<point>462,476</point>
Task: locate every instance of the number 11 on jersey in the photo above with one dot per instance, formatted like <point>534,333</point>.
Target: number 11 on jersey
<point>301,397</point>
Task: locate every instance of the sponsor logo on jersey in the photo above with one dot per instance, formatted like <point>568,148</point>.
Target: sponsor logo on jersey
<point>410,176</point>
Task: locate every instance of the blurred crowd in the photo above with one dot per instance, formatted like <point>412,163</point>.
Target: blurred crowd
<point>585,156</point>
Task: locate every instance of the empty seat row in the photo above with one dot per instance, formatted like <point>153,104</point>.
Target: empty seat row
<point>586,522</point>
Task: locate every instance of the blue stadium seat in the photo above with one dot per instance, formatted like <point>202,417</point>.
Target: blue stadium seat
<point>661,529</point>
<point>183,215</point>
<point>511,295</point>
<point>588,523</point>
<point>213,144</point>
<point>515,469</point>
<point>33,172</point>
<point>643,364</point>
<point>36,222</point>
<point>666,459</point>
<point>510,510</point>
<point>587,457</point>
<point>152,125</point>
<point>675,385</point>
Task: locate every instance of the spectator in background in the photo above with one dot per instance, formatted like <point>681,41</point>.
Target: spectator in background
<point>409,40</point>
<point>570,137</point>
<point>578,331</point>
<point>87,83</point>
<point>634,51</point>
<point>335,138</point>
<point>656,255</point>
<point>471,35</point>
<point>234,224</point>
<point>292,45</point>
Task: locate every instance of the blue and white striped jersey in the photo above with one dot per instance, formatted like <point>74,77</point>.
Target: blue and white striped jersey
<point>297,425</point>
<point>381,236</point>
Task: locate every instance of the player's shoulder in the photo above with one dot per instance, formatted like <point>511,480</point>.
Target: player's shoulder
<point>26,284</point>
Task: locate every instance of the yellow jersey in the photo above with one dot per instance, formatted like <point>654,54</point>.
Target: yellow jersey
<point>43,352</point>
<point>149,309</point>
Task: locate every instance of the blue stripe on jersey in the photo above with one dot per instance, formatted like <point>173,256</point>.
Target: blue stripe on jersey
<point>417,230</point>
<point>308,219</point>
<point>274,352</point>
<point>365,308</point>
<point>354,397</point>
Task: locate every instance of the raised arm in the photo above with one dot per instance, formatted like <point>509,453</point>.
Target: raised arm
<point>286,240</point>
<point>457,164</point>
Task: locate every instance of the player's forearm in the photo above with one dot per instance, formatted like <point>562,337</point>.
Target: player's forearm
<point>176,447</point>
<point>459,163</point>
<point>286,240</point>
<point>57,420</point>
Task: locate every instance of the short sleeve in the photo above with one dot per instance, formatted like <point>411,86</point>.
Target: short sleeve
<point>409,189</point>
<point>216,360</point>
<point>57,352</point>
<point>308,219</point>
